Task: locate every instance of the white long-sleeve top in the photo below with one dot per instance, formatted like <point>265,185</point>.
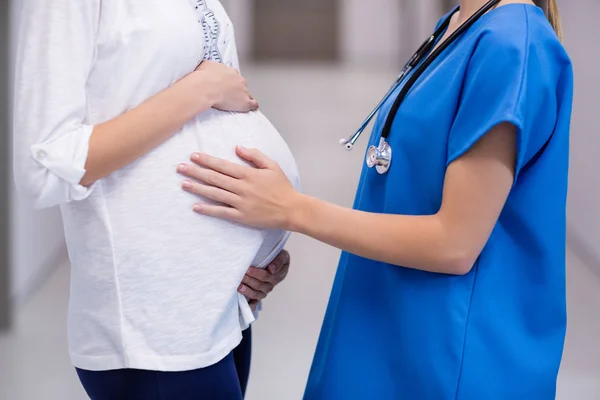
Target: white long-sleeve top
<point>153,285</point>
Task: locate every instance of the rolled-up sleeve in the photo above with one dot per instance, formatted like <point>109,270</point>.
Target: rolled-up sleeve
<point>51,126</point>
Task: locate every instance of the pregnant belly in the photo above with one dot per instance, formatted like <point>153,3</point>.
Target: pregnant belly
<point>218,133</point>
<point>146,203</point>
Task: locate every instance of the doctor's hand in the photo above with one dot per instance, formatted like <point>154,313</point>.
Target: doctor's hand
<point>260,197</point>
<point>258,283</point>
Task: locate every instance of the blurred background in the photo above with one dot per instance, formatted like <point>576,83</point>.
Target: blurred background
<point>317,67</point>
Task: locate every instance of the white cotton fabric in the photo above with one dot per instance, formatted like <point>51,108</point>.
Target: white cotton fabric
<point>153,285</point>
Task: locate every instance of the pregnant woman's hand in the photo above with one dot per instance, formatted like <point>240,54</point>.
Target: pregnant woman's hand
<point>258,283</point>
<point>230,88</point>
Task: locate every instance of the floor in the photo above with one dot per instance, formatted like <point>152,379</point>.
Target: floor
<point>313,107</point>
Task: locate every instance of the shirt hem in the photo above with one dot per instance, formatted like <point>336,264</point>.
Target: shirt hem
<point>139,361</point>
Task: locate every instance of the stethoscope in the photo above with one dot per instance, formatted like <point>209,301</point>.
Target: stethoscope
<point>380,156</point>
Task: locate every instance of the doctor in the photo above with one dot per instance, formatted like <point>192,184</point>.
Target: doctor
<point>452,280</point>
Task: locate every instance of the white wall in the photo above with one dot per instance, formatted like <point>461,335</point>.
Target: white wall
<point>370,32</point>
<point>37,236</point>
<point>580,18</point>
<point>382,33</point>
<point>240,12</point>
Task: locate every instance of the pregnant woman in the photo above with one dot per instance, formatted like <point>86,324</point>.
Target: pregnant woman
<point>110,96</point>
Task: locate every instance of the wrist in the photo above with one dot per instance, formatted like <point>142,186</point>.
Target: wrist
<point>298,213</point>
<point>206,86</point>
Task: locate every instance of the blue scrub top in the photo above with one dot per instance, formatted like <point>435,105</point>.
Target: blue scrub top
<point>498,332</point>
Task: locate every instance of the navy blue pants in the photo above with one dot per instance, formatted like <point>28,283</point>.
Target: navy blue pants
<point>226,380</point>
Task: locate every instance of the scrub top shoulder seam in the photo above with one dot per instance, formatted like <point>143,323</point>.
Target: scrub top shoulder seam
<point>525,59</point>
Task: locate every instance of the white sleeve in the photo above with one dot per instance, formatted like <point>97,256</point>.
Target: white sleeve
<point>55,52</point>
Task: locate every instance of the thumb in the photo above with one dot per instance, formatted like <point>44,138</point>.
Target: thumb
<point>274,268</point>
<point>255,157</point>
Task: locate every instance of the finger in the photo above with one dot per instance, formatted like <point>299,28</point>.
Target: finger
<point>253,104</point>
<point>275,267</point>
<point>250,293</point>
<point>253,304</point>
<point>221,212</point>
<point>209,177</point>
<point>255,157</point>
<point>282,259</point>
<point>257,285</point>
<point>260,274</point>
<point>252,98</point>
<point>211,193</point>
<point>282,273</point>
<point>220,165</point>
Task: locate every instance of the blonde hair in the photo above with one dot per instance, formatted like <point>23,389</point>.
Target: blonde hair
<point>551,9</point>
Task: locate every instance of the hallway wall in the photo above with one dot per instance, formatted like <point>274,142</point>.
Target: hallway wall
<point>579,18</point>
<point>37,236</point>
<point>5,306</point>
<point>374,34</point>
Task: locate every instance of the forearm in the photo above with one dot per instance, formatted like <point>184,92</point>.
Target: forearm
<point>120,141</point>
<point>418,242</point>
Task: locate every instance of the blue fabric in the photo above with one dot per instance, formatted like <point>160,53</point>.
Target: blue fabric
<point>496,333</point>
<point>226,380</point>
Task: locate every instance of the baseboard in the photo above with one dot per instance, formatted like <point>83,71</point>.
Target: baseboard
<point>583,250</point>
<point>38,280</point>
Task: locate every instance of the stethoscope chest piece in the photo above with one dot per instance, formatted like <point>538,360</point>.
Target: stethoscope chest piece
<point>380,156</point>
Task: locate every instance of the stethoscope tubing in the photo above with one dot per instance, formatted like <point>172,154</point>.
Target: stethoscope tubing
<point>431,58</point>
<point>349,142</point>
<point>380,156</point>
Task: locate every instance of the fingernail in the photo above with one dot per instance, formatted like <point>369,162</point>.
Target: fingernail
<point>195,156</point>
<point>197,208</point>
<point>182,168</point>
<point>271,268</point>
<point>242,289</point>
<point>187,184</point>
